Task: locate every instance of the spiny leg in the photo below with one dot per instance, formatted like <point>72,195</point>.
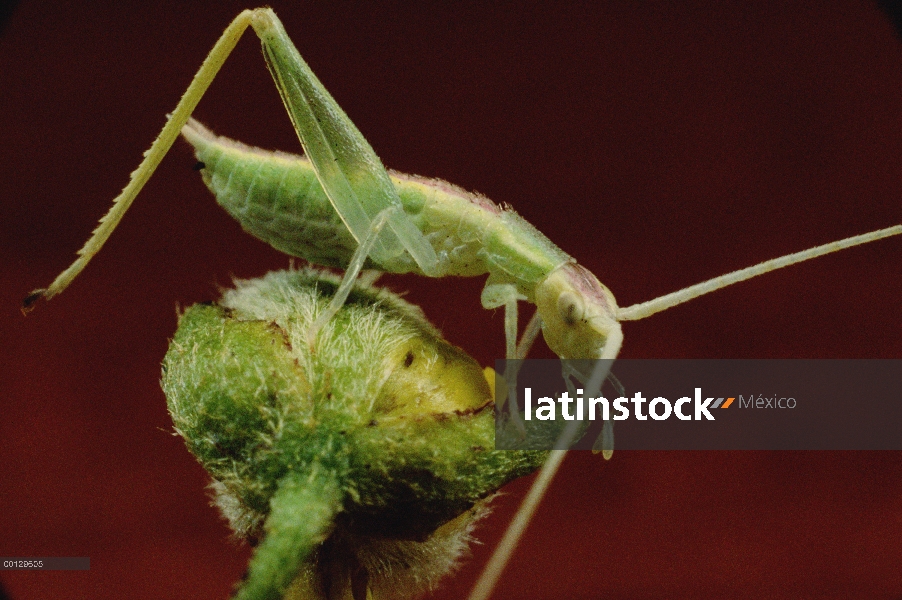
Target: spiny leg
<point>202,80</point>
<point>350,172</point>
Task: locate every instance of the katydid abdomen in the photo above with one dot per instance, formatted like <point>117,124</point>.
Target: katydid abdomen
<point>276,197</point>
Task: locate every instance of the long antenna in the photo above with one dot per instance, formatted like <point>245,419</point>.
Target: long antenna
<point>646,309</point>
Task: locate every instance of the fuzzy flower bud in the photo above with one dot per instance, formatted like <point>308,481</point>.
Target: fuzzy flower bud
<point>359,462</point>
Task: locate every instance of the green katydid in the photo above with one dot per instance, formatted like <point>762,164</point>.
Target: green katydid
<point>372,218</point>
<point>426,226</point>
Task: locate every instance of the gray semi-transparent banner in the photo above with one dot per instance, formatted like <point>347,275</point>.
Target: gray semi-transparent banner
<point>652,404</point>
<point>45,563</point>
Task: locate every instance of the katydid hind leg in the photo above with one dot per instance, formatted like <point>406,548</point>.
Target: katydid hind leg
<point>348,169</point>
<point>152,157</point>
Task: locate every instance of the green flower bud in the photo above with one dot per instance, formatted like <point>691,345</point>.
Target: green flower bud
<point>359,462</point>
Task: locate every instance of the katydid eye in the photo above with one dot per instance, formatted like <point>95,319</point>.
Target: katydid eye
<point>570,308</point>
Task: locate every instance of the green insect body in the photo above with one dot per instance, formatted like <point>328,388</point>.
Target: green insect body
<point>276,197</point>
<point>359,462</point>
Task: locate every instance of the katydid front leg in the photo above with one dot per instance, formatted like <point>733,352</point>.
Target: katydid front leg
<point>495,295</point>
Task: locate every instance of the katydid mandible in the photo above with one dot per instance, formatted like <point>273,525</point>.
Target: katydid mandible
<point>340,207</point>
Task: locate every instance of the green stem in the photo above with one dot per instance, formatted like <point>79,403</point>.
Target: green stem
<point>301,517</point>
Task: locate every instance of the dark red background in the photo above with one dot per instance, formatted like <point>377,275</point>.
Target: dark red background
<point>659,146</point>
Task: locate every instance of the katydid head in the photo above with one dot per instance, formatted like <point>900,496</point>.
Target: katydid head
<point>578,313</point>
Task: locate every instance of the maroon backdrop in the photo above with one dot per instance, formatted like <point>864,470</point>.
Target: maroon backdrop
<point>659,146</point>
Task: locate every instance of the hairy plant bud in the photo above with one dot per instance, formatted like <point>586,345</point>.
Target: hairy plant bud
<point>360,461</point>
